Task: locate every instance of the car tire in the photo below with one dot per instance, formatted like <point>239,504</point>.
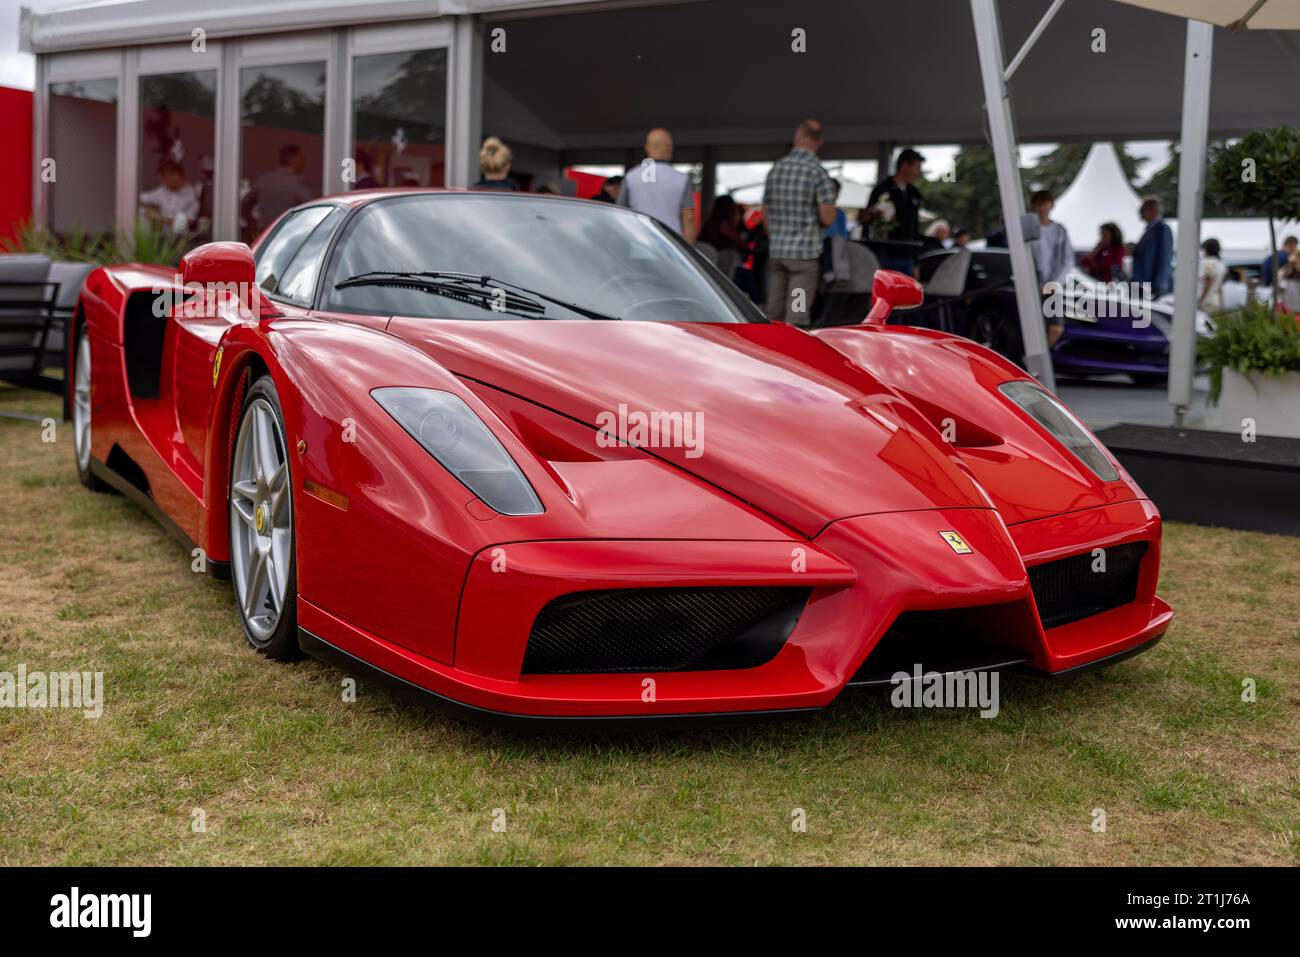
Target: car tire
<point>999,332</point>
<point>79,395</point>
<point>263,564</point>
<point>1149,379</point>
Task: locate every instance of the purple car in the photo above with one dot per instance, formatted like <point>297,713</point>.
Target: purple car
<point>969,292</point>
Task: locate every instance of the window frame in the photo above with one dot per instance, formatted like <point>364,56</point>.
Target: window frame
<point>329,206</point>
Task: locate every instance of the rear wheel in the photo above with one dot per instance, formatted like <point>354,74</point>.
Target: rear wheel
<point>261,526</point>
<point>81,412</point>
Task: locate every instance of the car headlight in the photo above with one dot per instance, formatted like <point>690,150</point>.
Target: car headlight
<point>1045,409</point>
<point>463,445</point>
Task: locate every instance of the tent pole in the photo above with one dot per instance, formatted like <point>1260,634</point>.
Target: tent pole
<point>997,99</point>
<point>708,183</point>
<point>1191,195</point>
<point>1019,58</point>
<point>465,122</point>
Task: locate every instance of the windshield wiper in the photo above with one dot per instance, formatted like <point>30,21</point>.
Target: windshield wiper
<point>471,284</point>
<point>484,297</point>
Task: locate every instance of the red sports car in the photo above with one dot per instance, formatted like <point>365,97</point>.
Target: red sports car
<point>539,459</point>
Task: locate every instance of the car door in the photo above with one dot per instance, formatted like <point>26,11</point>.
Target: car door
<point>287,264</point>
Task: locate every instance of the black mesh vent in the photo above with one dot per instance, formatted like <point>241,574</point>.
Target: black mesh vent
<point>981,638</point>
<point>662,629</point>
<point>1068,589</point>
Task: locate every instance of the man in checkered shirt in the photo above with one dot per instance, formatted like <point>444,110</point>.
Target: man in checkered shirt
<point>798,205</point>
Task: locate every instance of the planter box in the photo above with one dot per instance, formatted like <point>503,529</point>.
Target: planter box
<point>1213,478</point>
<point>1272,401</point>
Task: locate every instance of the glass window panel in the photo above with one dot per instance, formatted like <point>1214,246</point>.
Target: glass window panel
<point>83,145</point>
<point>647,272</point>
<point>177,149</point>
<point>298,282</point>
<point>273,256</point>
<point>281,141</point>
<point>399,113</point>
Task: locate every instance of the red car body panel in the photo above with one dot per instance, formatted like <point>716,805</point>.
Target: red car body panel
<point>834,460</point>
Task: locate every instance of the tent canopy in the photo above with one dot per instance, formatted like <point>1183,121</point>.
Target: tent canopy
<point>723,73</point>
<point>1250,14</point>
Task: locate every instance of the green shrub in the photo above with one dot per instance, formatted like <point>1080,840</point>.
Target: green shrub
<point>1252,340</point>
<point>147,243</point>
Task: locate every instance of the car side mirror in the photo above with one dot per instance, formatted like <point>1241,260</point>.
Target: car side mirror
<point>216,268</point>
<point>892,290</point>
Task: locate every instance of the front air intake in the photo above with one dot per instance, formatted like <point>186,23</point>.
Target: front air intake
<point>662,629</point>
<point>1079,586</point>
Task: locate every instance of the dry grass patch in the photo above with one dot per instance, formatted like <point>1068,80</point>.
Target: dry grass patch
<point>287,773</point>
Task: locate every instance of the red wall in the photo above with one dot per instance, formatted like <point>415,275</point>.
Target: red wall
<point>15,159</point>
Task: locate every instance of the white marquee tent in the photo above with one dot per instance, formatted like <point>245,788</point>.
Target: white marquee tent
<point>1099,194</point>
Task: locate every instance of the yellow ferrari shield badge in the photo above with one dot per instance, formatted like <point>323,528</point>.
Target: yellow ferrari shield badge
<point>216,365</point>
<point>956,543</point>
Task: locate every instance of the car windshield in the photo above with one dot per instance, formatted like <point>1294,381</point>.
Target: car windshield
<point>602,259</point>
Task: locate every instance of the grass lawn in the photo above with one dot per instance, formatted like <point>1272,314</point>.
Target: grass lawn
<point>286,772</point>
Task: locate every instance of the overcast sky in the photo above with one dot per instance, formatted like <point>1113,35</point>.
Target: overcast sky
<point>16,69</point>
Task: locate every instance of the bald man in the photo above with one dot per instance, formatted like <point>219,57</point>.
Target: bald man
<point>658,190</point>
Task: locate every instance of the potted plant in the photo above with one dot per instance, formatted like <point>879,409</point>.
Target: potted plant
<point>1254,362</point>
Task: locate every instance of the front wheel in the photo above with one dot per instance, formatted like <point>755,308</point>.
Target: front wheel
<point>81,413</point>
<point>261,526</point>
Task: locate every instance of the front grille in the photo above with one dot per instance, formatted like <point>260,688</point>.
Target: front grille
<point>949,640</point>
<point>1069,589</point>
<point>662,629</point>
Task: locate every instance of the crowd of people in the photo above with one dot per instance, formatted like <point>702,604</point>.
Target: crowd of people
<point>781,256</point>
<point>1150,261</point>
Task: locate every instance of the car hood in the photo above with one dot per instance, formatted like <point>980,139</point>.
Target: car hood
<point>770,414</point>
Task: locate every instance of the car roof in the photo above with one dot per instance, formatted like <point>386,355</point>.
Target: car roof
<point>362,197</point>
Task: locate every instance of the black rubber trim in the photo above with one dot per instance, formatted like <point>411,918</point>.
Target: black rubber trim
<point>1018,665</point>
<point>1000,664</point>
<point>321,649</point>
<point>1100,662</point>
<point>218,570</point>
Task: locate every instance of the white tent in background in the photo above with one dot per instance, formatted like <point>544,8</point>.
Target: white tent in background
<point>1242,240</point>
<point>1099,194</point>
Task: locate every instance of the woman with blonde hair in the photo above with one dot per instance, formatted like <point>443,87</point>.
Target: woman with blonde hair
<point>494,159</point>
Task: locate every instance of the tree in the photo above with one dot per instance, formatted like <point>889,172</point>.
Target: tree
<point>1260,176</point>
<point>1163,183</point>
<point>971,198</point>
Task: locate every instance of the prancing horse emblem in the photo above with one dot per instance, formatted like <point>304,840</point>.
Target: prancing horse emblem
<point>957,543</point>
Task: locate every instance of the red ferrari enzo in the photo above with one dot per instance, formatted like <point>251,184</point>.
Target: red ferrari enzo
<point>537,458</point>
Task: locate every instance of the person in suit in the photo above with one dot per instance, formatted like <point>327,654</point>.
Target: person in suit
<point>1277,260</point>
<point>1153,257</point>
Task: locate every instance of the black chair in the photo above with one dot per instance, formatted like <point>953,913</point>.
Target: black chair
<point>29,303</point>
<point>845,302</point>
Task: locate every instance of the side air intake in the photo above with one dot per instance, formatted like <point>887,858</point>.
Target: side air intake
<point>1069,589</point>
<point>662,629</point>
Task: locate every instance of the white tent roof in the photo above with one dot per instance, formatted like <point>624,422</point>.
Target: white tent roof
<point>1242,240</point>
<point>1099,194</point>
